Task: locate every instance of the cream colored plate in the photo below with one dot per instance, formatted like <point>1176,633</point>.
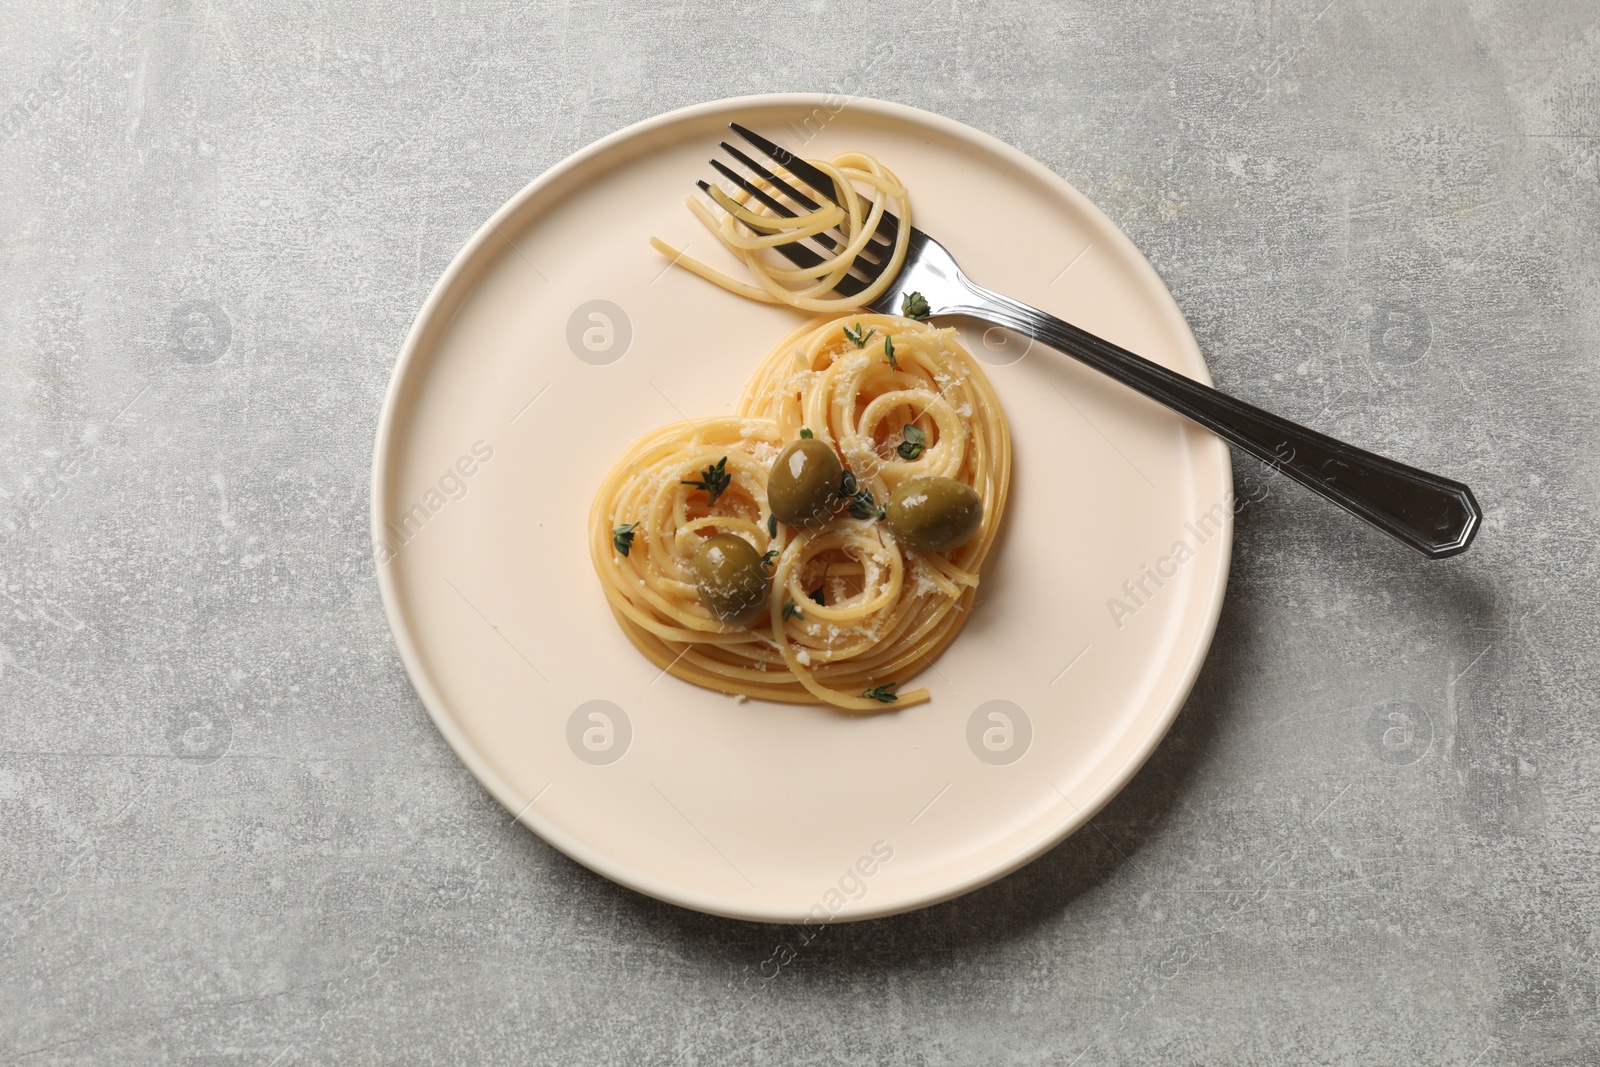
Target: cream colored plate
<point>511,400</point>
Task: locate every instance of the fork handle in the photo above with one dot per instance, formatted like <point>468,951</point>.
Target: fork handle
<point>1436,516</point>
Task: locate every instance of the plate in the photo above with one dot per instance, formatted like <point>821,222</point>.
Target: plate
<point>557,336</point>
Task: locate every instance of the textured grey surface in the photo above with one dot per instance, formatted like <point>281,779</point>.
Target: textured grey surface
<point>228,831</point>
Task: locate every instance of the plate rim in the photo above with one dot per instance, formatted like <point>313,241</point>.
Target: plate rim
<point>411,355</point>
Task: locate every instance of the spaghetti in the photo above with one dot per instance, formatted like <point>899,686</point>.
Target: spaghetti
<point>854,610</point>
<point>750,229</point>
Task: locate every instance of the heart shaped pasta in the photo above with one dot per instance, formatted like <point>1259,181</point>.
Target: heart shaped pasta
<point>853,609</point>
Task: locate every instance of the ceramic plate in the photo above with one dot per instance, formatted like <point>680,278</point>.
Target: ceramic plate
<point>557,336</point>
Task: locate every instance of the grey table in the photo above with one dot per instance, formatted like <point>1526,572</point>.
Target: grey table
<point>228,831</point>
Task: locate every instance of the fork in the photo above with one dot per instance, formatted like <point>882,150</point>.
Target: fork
<point>1434,515</point>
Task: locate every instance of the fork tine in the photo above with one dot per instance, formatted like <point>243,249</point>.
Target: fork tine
<point>777,206</point>
<point>794,251</point>
<point>797,253</point>
<point>786,211</point>
<point>788,190</point>
<point>888,224</point>
<point>875,253</point>
<point>879,248</point>
<point>868,262</point>
<point>790,162</point>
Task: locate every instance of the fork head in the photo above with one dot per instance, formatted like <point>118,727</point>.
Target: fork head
<point>789,186</point>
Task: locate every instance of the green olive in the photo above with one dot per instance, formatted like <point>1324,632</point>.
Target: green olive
<point>731,579</point>
<point>936,514</point>
<point>803,484</point>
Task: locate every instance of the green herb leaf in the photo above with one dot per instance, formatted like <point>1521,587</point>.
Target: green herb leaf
<point>888,350</point>
<point>915,306</point>
<point>862,506</point>
<point>916,440</point>
<point>790,611</point>
<point>858,338</point>
<point>769,558</point>
<point>816,595</point>
<point>622,537</point>
<point>772,526</point>
<point>805,434</point>
<point>714,479</point>
<point>882,693</point>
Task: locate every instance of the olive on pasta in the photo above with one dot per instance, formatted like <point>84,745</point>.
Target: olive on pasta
<point>731,579</point>
<point>803,485</point>
<point>937,514</point>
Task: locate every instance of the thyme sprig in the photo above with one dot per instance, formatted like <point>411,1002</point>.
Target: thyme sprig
<point>715,479</point>
<point>916,440</point>
<point>622,537</point>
